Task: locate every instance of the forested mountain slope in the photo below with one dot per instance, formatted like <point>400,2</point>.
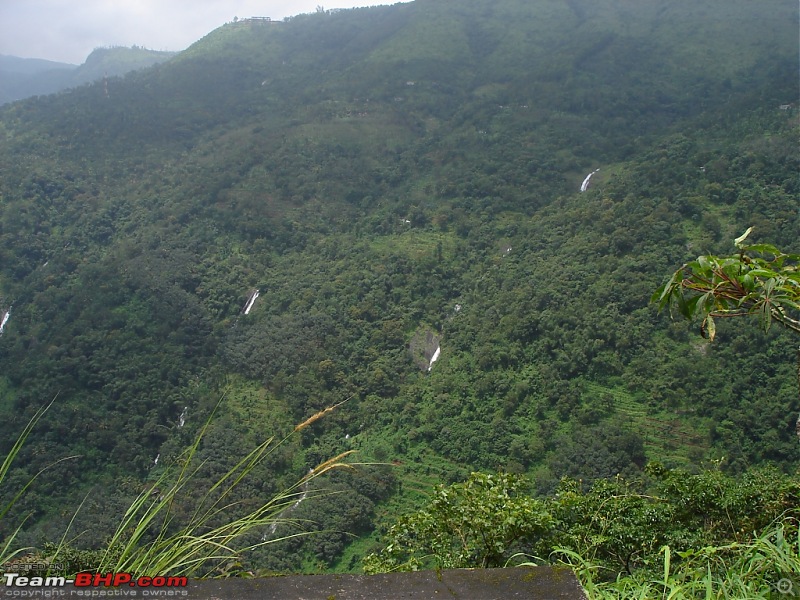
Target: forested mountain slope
<point>24,77</point>
<point>382,176</point>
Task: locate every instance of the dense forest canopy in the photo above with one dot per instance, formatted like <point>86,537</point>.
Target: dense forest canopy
<point>383,176</point>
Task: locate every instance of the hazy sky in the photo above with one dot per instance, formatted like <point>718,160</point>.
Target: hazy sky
<point>68,30</point>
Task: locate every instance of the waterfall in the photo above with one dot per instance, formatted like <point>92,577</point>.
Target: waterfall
<point>585,184</point>
<point>250,303</point>
<point>5,320</point>
<point>435,357</point>
<point>274,527</point>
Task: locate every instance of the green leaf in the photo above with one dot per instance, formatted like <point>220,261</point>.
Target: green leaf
<point>765,249</point>
<point>705,263</point>
<point>705,303</point>
<point>666,552</point>
<point>664,294</point>
<point>790,303</point>
<point>766,273</point>
<point>689,307</point>
<point>766,315</point>
<point>660,295</point>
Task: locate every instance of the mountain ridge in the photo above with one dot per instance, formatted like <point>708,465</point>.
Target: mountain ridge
<point>25,77</point>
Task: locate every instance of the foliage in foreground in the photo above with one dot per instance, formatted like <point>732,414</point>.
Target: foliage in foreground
<point>156,535</point>
<point>673,533</point>
<point>474,523</point>
<point>767,567</point>
<point>7,550</point>
<point>760,280</point>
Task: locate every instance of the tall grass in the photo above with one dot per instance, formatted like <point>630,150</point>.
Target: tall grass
<point>150,541</point>
<point>763,568</point>
<point>7,547</point>
<point>208,539</point>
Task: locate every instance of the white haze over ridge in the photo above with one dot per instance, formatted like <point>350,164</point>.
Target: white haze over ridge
<point>68,31</point>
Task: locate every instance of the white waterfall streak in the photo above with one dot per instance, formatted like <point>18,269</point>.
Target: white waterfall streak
<point>435,357</point>
<point>279,519</point>
<point>4,321</point>
<point>585,184</point>
<point>251,302</point>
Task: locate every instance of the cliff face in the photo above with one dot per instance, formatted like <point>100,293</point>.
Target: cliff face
<point>425,348</point>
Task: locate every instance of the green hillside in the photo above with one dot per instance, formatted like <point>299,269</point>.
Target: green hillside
<point>380,176</point>
<point>23,78</point>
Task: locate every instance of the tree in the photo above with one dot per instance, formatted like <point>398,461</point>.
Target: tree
<point>760,280</point>
<point>477,523</point>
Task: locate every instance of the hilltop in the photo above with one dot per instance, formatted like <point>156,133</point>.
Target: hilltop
<point>25,77</point>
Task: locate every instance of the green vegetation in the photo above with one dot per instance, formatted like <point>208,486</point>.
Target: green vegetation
<point>737,286</point>
<point>470,524</point>
<point>672,533</point>
<point>733,537</point>
<point>23,78</point>
<point>751,570</point>
<point>379,175</point>
<point>169,529</point>
<point>209,538</point>
<point>8,550</point>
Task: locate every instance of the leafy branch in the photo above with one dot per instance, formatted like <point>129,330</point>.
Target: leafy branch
<point>759,280</point>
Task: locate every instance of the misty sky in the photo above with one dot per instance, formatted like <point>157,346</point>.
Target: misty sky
<point>68,30</point>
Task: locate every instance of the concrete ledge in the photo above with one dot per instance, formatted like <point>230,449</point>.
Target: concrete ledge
<point>529,583</point>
